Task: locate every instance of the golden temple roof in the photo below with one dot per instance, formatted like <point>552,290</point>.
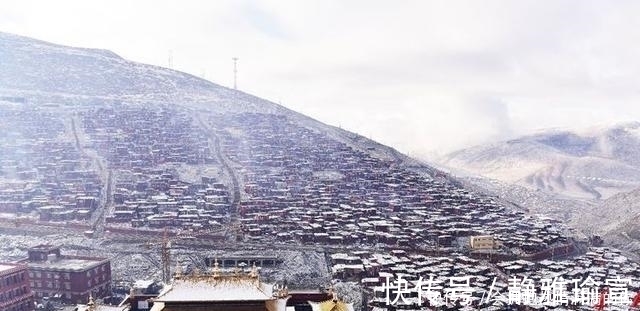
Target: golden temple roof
<point>334,305</point>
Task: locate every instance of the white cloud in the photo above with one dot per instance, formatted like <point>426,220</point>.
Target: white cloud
<point>423,76</point>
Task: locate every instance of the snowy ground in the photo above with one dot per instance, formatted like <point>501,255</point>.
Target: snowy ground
<point>134,261</point>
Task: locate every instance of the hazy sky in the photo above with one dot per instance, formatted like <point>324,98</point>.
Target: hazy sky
<point>426,77</point>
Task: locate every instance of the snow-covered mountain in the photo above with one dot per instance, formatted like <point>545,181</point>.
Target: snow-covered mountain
<point>40,71</point>
<point>44,70</point>
<point>596,163</point>
<point>593,164</point>
<point>589,178</point>
<point>619,219</point>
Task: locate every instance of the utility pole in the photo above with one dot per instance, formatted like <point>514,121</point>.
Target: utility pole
<point>170,60</point>
<point>235,73</point>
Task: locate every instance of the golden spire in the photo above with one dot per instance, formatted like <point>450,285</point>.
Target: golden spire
<point>178,273</point>
<point>332,293</point>
<point>216,269</point>
<point>280,291</point>
<point>333,304</point>
<point>91,304</point>
<point>236,271</point>
<point>254,271</point>
<point>196,272</point>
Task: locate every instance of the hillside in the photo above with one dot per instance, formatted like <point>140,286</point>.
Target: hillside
<point>45,71</point>
<point>588,164</point>
<point>158,169</point>
<point>619,219</point>
<point>148,148</point>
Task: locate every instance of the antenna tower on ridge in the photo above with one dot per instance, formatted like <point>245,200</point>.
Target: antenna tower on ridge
<point>235,73</point>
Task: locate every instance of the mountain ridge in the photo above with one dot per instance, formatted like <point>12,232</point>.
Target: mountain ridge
<point>31,67</point>
<point>592,163</point>
<point>27,73</point>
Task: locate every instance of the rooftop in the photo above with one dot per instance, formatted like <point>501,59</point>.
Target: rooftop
<point>45,247</point>
<point>6,267</point>
<point>84,307</point>
<point>225,289</point>
<point>217,285</point>
<point>67,263</point>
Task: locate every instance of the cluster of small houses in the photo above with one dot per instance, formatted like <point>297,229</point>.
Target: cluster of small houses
<point>157,198</point>
<point>42,170</point>
<point>136,141</point>
<point>297,185</point>
<point>302,185</point>
<point>141,137</point>
<point>482,285</point>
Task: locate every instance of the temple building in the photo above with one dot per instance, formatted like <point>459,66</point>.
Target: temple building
<point>221,291</point>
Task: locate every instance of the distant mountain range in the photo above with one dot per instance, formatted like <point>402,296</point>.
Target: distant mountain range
<point>592,164</point>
